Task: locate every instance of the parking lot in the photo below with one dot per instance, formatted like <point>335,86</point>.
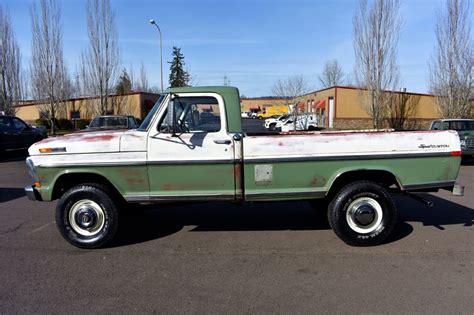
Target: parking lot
<point>251,258</point>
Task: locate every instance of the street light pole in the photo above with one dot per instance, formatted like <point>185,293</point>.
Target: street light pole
<point>161,52</point>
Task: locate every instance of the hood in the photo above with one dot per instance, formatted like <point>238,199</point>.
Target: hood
<point>90,142</point>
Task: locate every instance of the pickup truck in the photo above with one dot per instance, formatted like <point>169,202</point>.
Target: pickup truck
<point>465,130</point>
<point>176,156</point>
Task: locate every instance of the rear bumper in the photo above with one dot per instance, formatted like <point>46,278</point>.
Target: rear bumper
<point>32,193</point>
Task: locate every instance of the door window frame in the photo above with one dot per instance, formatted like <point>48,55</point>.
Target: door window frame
<point>162,111</point>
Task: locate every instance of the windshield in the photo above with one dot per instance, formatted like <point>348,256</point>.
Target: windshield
<point>149,117</point>
<point>108,122</point>
<point>461,125</point>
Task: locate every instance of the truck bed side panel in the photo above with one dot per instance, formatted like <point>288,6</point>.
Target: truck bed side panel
<point>305,166</point>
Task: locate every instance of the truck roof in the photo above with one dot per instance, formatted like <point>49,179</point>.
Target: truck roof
<point>204,89</point>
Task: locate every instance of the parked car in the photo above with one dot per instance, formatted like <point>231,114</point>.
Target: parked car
<point>465,130</point>
<point>270,123</point>
<point>209,118</point>
<point>15,134</point>
<point>307,121</point>
<point>112,122</point>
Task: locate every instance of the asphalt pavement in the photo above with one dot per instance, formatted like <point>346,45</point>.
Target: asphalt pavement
<point>222,258</point>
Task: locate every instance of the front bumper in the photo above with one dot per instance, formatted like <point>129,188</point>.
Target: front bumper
<point>32,193</point>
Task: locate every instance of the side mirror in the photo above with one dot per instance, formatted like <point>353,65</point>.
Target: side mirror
<point>171,117</point>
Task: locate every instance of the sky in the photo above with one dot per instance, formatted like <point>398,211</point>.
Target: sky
<point>251,42</point>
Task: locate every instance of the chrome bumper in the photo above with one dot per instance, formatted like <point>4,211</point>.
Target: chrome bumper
<point>32,194</point>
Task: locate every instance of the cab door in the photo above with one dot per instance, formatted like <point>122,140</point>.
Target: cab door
<point>194,158</point>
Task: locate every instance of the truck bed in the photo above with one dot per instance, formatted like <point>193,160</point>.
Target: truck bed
<point>295,164</point>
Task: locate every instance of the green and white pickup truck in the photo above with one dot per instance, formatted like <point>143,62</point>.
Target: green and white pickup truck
<point>191,147</point>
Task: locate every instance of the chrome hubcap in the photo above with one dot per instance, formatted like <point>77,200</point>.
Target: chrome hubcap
<point>86,217</point>
<point>364,215</point>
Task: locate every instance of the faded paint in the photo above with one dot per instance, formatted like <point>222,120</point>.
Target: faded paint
<point>83,142</point>
<point>353,144</point>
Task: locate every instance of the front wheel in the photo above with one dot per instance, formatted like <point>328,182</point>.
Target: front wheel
<point>86,216</point>
<point>362,214</point>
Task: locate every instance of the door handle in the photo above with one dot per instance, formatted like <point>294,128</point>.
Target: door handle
<point>222,141</point>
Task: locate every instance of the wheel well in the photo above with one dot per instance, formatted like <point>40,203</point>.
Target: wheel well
<point>67,181</point>
<point>383,178</point>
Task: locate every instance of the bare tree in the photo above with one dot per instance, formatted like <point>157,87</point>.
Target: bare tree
<point>452,65</point>
<point>48,72</point>
<point>402,107</point>
<point>142,84</point>
<point>291,90</point>
<point>99,62</point>
<point>332,74</point>
<point>11,83</point>
<point>376,32</point>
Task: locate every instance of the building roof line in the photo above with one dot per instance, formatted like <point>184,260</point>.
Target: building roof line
<point>39,102</point>
<point>346,87</point>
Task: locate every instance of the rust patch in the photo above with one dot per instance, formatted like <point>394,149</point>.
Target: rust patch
<point>132,177</point>
<point>447,172</point>
<point>98,138</point>
<point>170,187</point>
<point>318,181</point>
<point>237,170</point>
<point>134,181</point>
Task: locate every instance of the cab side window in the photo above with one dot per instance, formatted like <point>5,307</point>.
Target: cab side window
<point>193,115</point>
<point>18,124</point>
<point>5,124</point>
<point>436,125</point>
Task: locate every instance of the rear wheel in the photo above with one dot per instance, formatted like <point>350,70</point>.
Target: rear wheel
<point>362,214</point>
<point>86,216</point>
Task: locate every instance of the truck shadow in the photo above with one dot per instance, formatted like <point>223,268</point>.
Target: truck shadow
<point>154,222</point>
<point>443,213</point>
<point>8,194</point>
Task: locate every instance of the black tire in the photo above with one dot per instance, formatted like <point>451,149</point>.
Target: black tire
<point>362,214</point>
<point>272,127</point>
<point>87,204</point>
<point>311,128</point>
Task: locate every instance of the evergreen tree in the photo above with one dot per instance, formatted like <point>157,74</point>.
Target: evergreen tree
<point>124,84</point>
<point>178,76</point>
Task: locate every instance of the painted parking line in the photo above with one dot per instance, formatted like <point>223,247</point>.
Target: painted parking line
<point>41,227</point>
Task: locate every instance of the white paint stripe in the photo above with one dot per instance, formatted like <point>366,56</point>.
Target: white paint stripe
<point>41,228</point>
